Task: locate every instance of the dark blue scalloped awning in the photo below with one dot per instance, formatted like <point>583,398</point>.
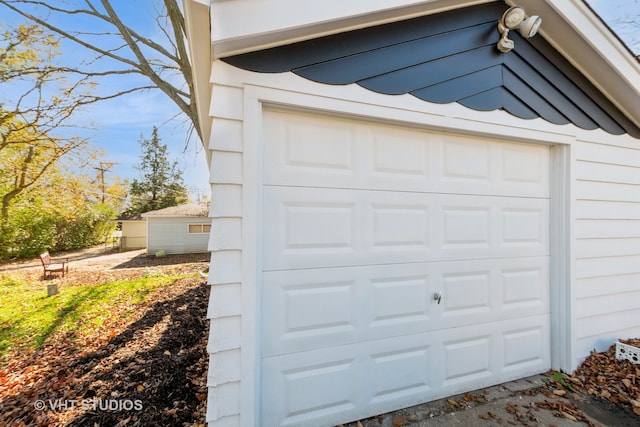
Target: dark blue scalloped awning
<point>451,57</point>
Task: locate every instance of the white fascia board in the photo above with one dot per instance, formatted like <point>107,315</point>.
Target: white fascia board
<point>240,26</point>
<point>581,37</point>
<point>198,29</point>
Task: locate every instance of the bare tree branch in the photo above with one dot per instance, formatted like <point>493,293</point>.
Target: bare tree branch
<point>152,63</point>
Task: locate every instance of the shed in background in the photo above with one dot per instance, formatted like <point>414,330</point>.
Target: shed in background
<point>180,229</point>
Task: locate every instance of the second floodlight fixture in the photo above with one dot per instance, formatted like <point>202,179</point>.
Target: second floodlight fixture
<point>515,18</point>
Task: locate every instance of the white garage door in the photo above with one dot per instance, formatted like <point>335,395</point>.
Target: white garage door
<point>364,225</point>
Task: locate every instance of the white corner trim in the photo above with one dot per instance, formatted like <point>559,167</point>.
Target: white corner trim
<point>562,264</point>
<point>251,260</point>
<point>198,29</point>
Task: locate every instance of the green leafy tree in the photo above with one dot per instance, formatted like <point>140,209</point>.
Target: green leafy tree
<point>35,104</point>
<point>37,197</point>
<point>161,183</point>
<point>69,217</point>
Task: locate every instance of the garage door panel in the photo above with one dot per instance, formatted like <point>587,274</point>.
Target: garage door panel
<point>314,227</point>
<point>309,145</point>
<point>396,155</point>
<point>477,291</point>
<point>292,318</point>
<point>317,151</point>
<point>309,388</point>
<point>381,301</point>
<point>476,355</point>
<point>399,300</point>
<point>469,360</point>
<point>310,309</point>
<point>399,373</point>
<point>524,348</point>
<point>331,385</point>
<point>467,293</point>
<point>377,374</point>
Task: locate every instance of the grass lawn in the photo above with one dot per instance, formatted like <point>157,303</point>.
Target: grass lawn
<point>28,316</point>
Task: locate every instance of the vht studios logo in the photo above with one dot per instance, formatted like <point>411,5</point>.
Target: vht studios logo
<point>88,404</point>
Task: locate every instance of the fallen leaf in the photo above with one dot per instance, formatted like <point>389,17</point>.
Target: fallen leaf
<point>487,416</point>
<point>574,380</point>
<point>560,392</point>
<point>568,416</point>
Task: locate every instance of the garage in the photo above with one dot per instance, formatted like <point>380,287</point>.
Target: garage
<point>406,206</point>
<point>399,266</point>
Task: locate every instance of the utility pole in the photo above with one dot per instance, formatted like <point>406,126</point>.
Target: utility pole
<point>104,167</point>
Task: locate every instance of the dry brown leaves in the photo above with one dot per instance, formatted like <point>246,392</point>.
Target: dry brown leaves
<point>566,410</point>
<point>467,401</point>
<point>605,377</point>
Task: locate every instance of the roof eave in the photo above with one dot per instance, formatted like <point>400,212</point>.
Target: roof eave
<point>572,28</point>
<point>308,21</point>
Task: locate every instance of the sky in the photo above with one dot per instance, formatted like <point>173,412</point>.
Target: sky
<point>117,125</point>
<point>624,17</point>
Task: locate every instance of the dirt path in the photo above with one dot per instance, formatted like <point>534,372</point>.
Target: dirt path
<point>97,254</point>
<point>93,265</point>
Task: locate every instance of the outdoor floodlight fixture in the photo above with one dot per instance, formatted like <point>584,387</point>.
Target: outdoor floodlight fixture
<point>515,18</point>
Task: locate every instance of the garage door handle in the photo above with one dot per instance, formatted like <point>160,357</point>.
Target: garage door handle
<point>437,296</point>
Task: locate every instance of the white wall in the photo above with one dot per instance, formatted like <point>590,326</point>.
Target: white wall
<point>607,242</point>
<point>172,235</point>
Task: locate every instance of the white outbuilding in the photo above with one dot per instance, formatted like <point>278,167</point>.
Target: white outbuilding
<point>408,202</point>
<point>180,229</point>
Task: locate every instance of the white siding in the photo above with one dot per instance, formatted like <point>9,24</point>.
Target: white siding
<point>172,235</point>
<point>225,276</point>
<point>607,245</point>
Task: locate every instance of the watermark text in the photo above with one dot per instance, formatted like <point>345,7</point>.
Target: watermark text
<point>60,405</point>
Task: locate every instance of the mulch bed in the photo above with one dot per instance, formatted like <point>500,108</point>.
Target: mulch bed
<point>147,370</point>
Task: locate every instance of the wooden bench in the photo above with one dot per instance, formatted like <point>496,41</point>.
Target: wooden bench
<point>52,265</point>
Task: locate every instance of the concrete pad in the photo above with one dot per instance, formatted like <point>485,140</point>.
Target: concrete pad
<point>510,404</point>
